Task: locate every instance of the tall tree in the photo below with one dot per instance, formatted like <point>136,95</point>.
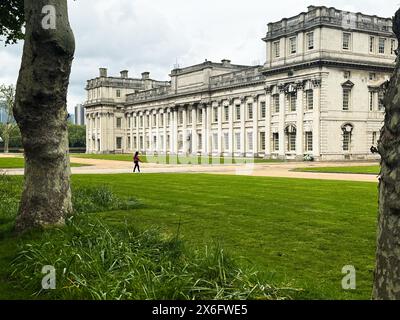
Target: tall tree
<point>7,98</point>
<point>40,110</point>
<point>387,272</point>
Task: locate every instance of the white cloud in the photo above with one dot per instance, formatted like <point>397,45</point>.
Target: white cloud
<point>143,35</point>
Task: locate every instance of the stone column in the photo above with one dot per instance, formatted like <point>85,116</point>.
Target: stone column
<point>184,131</point>
<point>165,115</point>
<point>137,131</point>
<point>231,119</point>
<point>130,117</point>
<point>174,135</point>
<point>194,130</point>
<point>317,119</point>
<point>220,138</point>
<point>157,146</point>
<point>204,129</point>
<point>282,112</point>
<point>255,126</point>
<point>300,122</point>
<point>209,128</point>
<point>268,120</point>
<point>243,127</point>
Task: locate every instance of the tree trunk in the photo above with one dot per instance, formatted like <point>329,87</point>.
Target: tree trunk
<point>41,114</point>
<point>387,272</point>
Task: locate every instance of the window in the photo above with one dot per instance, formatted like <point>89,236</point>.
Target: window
<point>200,116</point>
<point>238,112</point>
<point>250,141</point>
<point>291,141</point>
<point>226,141</point>
<point>382,44</point>
<point>277,49</point>
<point>215,113</point>
<point>180,117</point>
<point>119,123</point>
<point>371,100</point>
<point>147,121</point>
<point>129,143</point>
<point>347,133</point>
<point>161,142</point>
<point>371,44</point>
<point>141,142</point>
<point>135,146</point>
<point>147,142</point>
<point>168,141</point>
<point>346,41</point>
<point>293,45</point>
<point>263,110</point>
<point>374,138</point>
<point>118,93</point>
<point>309,141</point>
<point>129,122</point>
<point>393,47</point>
<point>310,40</point>
<point>237,138</point>
<point>226,113</point>
<point>250,111</point>
<point>162,119</point>
<point>200,141</point>
<point>119,143</point>
<point>381,96</point>
<point>180,141</point>
<point>275,99</point>
<point>215,141</point>
<point>190,117</point>
<point>346,140</point>
<point>346,99</point>
<point>262,141</point>
<point>154,120</point>
<point>134,119</point>
<point>275,141</point>
<point>154,142</point>
<point>310,99</point>
<point>347,74</point>
<point>292,100</point>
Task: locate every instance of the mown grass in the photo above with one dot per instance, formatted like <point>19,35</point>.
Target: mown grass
<point>174,159</point>
<point>295,232</point>
<point>301,232</point>
<point>18,163</point>
<point>373,170</point>
<point>97,260</point>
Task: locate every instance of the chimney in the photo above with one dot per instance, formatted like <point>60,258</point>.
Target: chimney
<point>145,75</point>
<point>124,74</point>
<point>103,72</point>
<point>226,62</point>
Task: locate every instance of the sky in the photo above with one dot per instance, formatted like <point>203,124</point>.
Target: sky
<point>153,35</point>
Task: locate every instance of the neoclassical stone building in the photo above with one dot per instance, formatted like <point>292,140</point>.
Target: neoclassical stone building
<point>318,93</point>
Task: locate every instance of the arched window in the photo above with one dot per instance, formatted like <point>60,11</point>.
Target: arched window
<point>291,133</point>
<point>347,130</point>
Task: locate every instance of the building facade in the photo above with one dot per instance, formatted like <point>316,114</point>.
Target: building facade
<point>318,93</point>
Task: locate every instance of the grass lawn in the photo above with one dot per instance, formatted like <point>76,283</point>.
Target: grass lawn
<point>170,159</point>
<point>301,232</point>
<point>347,170</point>
<point>18,163</point>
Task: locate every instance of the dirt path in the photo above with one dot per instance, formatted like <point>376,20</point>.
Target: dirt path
<point>283,170</point>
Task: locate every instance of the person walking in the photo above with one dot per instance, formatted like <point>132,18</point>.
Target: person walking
<point>136,161</point>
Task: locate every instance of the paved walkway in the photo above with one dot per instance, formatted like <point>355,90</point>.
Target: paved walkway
<point>283,170</point>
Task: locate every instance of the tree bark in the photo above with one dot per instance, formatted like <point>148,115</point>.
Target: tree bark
<point>41,113</point>
<point>387,272</point>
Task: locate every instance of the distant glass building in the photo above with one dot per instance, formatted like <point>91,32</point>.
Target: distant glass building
<point>80,115</point>
<point>3,115</point>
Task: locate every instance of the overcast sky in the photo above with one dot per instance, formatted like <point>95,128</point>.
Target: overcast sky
<point>151,35</point>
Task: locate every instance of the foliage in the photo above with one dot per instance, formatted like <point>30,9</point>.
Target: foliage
<point>7,98</point>
<point>77,136</point>
<point>12,19</point>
